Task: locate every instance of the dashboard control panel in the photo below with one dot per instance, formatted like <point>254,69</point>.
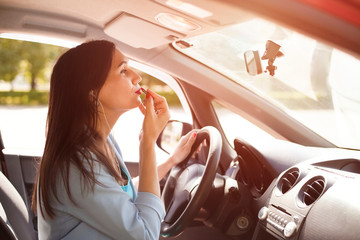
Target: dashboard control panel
<point>279,223</point>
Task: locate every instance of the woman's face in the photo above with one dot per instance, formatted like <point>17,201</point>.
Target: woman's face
<point>121,90</point>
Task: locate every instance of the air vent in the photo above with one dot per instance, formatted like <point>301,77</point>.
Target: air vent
<point>312,190</point>
<point>288,180</point>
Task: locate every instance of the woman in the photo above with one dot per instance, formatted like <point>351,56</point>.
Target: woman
<point>83,188</point>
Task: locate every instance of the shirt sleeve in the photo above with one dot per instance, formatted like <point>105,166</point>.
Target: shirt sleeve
<point>110,210</point>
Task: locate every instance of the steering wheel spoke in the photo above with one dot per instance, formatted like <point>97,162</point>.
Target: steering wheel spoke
<point>186,185</point>
<point>177,206</point>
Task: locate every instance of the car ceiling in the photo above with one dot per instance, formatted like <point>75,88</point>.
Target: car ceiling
<point>117,16</point>
<point>87,19</point>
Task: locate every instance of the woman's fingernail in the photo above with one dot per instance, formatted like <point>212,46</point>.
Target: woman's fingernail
<point>194,134</point>
<point>148,95</point>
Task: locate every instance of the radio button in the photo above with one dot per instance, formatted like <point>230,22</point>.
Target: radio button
<point>296,219</point>
<point>290,229</point>
<point>263,213</point>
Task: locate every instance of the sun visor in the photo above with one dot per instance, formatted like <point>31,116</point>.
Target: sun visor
<point>132,31</point>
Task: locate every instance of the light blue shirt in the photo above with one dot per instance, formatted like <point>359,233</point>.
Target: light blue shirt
<point>127,188</point>
<point>106,213</point>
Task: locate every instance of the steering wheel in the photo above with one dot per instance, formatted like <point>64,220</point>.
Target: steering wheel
<point>188,186</point>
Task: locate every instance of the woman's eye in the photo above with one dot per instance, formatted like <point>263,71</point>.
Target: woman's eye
<point>123,71</point>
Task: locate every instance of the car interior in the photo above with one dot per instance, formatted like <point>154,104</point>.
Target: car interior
<point>287,182</point>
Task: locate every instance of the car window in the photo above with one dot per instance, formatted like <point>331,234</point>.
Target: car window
<point>23,110</point>
<point>25,69</point>
<point>234,125</point>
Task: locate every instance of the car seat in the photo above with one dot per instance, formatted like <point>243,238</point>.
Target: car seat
<point>14,217</point>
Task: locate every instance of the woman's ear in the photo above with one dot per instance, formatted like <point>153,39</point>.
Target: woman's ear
<point>91,93</point>
<point>94,98</point>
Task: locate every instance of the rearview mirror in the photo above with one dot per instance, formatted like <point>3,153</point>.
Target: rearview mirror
<point>252,62</point>
<point>170,136</point>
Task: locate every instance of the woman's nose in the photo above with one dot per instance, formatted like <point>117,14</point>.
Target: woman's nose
<point>136,78</point>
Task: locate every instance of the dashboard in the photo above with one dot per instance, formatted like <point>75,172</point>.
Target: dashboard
<point>318,198</point>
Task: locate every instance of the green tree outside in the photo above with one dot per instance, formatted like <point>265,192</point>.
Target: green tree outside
<point>10,58</point>
<point>37,57</point>
<point>32,60</point>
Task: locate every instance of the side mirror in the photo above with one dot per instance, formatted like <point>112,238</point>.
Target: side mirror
<point>171,135</point>
<point>252,62</point>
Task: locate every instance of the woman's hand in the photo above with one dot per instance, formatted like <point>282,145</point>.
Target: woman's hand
<point>184,147</point>
<point>180,153</point>
<point>156,113</point>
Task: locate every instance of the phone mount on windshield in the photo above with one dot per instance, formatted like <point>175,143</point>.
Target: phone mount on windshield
<point>253,63</point>
<point>271,53</point>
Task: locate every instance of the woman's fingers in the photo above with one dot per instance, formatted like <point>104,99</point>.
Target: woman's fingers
<point>154,95</point>
<point>159,101</point>
<point>184,147</point>
<point>191,140</point>
<point>192,137</point>
<point>156,114</point>
<point>203,144</point>
<point>149,104</point>
<point>142,108</point>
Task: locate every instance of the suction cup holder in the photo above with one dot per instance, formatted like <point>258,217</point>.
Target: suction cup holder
<point>253,60</point>
<point>272,51</point>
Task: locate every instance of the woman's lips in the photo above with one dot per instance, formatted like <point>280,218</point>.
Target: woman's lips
<point>140,91</point>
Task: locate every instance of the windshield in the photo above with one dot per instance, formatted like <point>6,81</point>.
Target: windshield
<point>316,84</point>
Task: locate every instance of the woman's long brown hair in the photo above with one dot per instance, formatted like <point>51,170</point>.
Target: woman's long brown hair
<point>76,80</point>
